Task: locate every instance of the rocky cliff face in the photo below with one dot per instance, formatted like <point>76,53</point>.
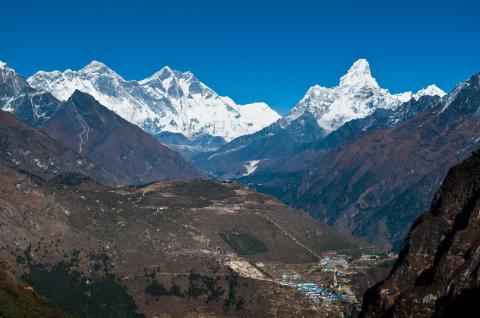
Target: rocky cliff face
<point>437,271</point>
<point>32,106</point>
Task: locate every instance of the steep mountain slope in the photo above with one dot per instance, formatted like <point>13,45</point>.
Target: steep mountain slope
<point>128,153</point>
<point>319,113</point>
<point>379,119</point>
<point>20,300</point>
<point>377,185</point>
<point>167,101</point>
<point>178,247</point>
<point>28,149</point>
<point>30,105</point>
<point>437,271</point>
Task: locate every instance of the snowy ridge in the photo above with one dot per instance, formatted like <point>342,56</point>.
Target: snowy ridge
<point>168,100</point>
<point>430,90</point>
<point>357,96</point>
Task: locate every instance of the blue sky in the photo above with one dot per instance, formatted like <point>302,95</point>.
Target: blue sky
<point>270,51</point>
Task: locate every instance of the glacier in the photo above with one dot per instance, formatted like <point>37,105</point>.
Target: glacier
<point>167,101</point>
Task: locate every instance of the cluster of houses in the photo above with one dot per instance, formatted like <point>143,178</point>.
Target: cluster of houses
<point>336,292</point>
<point>337,288</point>
<point>319,295</point>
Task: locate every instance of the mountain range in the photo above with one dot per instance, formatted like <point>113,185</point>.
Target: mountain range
<point>284,158</point>
<point>102,193</point>
<point>86,214</point>
<point>165,103</point>
<point>318,114</point>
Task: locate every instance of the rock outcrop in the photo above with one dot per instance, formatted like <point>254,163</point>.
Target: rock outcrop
<point>437,271</point>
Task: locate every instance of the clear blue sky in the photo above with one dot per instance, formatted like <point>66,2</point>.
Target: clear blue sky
<point>270,51</point>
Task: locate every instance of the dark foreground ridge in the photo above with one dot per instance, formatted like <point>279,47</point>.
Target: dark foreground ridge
<point>437,271</point>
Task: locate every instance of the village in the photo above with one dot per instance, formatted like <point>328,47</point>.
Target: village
<point>337,281</point>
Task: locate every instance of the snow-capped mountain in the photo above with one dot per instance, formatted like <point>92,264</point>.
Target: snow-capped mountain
<point>357,96</point>
<point>319,113</point>
<point>26,103</point>
<point>167,101</point>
